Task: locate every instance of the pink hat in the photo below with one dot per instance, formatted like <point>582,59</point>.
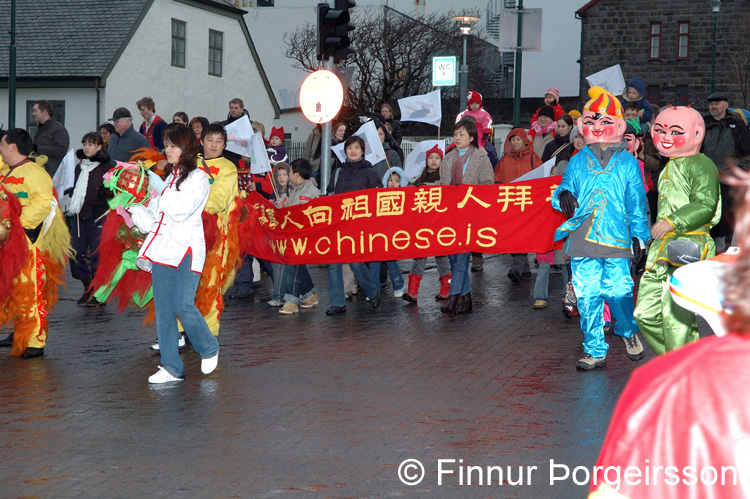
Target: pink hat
<point>554,93</point>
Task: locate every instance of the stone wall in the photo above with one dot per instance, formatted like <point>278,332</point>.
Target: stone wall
<point>619,32</point>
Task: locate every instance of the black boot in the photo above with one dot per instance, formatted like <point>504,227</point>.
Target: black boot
<point>450,306</point>
<point>86,293</point>
<point>464,305</point>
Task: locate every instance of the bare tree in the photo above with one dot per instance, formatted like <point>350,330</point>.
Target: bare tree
<point>393,56</point>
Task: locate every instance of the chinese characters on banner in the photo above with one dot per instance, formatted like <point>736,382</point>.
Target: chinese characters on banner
<point>411,222</point>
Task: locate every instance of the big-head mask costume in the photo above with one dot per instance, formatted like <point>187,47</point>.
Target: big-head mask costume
<point>602,120</point>
<point>678,132</point>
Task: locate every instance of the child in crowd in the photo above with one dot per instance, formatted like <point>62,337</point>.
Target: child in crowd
<point>396,177</point>
<point>634,92</point>
<point>551,99</point>
<point>87,203</point>
<point>276,150</point>
<point>298,286</point>
<point>281,173</point>
<point>475,110</point>
<point>430,176</point>
<point>574,115</point>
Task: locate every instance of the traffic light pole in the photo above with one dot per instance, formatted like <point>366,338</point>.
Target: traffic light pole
<point>325,144</point>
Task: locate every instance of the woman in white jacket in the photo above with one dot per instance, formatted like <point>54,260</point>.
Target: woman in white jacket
<point>174,252</point>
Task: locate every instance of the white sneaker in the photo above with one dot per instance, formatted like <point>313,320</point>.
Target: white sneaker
<point>180,344</point>
<point>399,293</point>
<point>163,376</point>
<point>208,365</point>
<point>275,303</point>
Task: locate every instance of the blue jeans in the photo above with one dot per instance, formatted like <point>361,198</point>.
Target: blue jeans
<point>280,287</point>
<point>298,283</point>
<point>174,295</point>
<point>396,279</point>
<point>541,285</point>
<point>336,282</point>
<point>460,282</point>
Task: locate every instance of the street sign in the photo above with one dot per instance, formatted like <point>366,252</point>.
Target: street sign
<point>321,96</point>
<point>531,30</point>
<point>444,70</point>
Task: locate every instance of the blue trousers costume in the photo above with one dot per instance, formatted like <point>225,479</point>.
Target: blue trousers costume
<point>597,280</point>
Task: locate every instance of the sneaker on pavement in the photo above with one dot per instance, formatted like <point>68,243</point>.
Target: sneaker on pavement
<point>162,376</point>
<point>275,303</point>
<point>208,365</point>
<point>587,363</point>
<point>289,308</point>
<point>310,302</point>
<point>540,304</point>
<point>398,293</point>
<point>180,344</point>
<point>633,346</point>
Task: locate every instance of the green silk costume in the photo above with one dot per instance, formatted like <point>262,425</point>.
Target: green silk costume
<point>690,200</point>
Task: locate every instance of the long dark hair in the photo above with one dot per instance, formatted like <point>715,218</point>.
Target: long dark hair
<point>184,138</point>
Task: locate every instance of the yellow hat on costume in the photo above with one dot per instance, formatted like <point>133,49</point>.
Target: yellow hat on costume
<point>603,102</point>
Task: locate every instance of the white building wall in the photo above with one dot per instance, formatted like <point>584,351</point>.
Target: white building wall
<point>144,68</point>
<point>80,108</point>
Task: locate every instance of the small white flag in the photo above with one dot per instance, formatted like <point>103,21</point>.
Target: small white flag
<point>425,108</point>
<point>610,79</point>
<point>238,136</point>
<point>417,158</point>
<point>64,177</point>
<point>259,162</point>
<point>374,152</point>
<point>540,171</point>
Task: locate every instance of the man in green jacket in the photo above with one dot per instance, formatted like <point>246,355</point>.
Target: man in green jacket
<point>689,205</point>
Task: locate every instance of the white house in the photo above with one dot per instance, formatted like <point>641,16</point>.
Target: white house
<point>89,57</point>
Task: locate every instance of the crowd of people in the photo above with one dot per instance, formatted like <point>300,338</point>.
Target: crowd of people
<point>637,191</point>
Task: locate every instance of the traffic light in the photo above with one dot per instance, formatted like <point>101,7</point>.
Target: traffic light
<point>333,30</point>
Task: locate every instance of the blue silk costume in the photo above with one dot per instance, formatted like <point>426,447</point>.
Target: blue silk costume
<point>615,198</point>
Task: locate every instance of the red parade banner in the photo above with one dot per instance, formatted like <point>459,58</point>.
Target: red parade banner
<point>403,223</point>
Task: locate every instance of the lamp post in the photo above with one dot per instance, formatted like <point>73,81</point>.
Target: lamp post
<point>465,27</point>
<point>12,68</point>
<point>715,8</point>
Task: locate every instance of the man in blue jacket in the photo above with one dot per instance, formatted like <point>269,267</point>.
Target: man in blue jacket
<point>603,193</point>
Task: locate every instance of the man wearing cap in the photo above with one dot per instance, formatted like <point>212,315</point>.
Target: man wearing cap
<point>727,138</point>
<point>51,137</point>
<point>125,140</point>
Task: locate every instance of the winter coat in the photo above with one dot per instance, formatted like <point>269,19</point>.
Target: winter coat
<point>428,178</point>
<point>478,170</point>
<point>396,127</point>
<point>312,149</point>
<point>277,154</point>
<point>559,111</point>
<point>725,137</point>
<point>174,223</point>
<point>514,163</point>
<point>541,141</point>
<point>303,193</point>
<point>483,119</point>
<point>95,201</point>
<point>551,148</point>
<point>121,147</point>
<point>52,140</point>
<point>643,103</point>
<point>353,176</point>
<point>154,133</point>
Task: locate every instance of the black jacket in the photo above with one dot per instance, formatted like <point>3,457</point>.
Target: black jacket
<point>52,140</point>
<point>353,176</point>
<point>95,201</point>
<point>716,145</point>
<point>553,146</point>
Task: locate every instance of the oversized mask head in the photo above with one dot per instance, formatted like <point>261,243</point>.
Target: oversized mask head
<point>602,120</point>
<point>678,131</point>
